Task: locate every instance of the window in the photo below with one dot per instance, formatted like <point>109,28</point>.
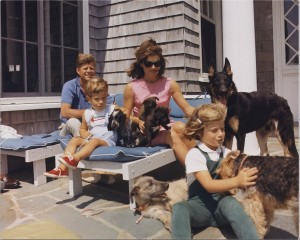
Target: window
<point>291,26</point>
<point>40,41</point>
<point>210,32</point>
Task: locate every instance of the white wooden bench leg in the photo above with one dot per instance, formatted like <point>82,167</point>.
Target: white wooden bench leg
<point>39,167</point>
<point>132,204</point>
<point>3,164</point>
<point>75,182</point>
<point>56,160</point>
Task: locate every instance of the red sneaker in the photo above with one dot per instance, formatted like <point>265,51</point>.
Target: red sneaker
<point>69,161</point>
<point>57,173</point>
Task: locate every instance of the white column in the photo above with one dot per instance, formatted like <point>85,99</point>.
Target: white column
<point>86,27</point>
<point>239,48</point>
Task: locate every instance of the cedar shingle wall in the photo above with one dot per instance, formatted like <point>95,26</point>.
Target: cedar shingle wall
<point>32,121</point>
<point>117,28</point>
<point>264,45</point>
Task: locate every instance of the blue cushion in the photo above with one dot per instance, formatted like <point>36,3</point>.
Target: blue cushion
<point>119,99</point>
<point>30,142</point>
<point>118,154</point>
<point>176,112</point>
<point>122,154</point>
<point>110,99</point>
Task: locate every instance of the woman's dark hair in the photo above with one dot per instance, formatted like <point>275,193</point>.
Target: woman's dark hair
<point>147,48</point>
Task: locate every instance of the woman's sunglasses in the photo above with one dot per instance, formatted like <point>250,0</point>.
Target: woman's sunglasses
<point>150,64</point>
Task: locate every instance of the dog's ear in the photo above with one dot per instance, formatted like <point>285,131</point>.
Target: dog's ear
<point>211,69</point>
<point>234,154</point>
<point>109,122</point>
<point>227,67</point>
<point>134,191</point>
<point>226,168</point>
<point>122,118</point>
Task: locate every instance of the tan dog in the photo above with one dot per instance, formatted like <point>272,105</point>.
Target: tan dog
<point>277,184</point>
<point>155,199</point>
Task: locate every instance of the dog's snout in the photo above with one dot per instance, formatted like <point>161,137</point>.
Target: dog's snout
<point>223,92</point>
<point>223,88</point>
<point>114,124</point>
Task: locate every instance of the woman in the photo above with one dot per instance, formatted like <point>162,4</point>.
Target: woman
<point>147,72</point>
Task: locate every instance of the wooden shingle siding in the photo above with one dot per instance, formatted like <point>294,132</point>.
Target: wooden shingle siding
<point>32,121</point>
<point>117,28</point>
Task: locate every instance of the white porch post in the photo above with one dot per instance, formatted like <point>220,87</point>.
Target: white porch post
<point>86,27</point>
<point>239,48</point>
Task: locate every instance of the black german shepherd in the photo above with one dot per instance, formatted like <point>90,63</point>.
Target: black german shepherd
<point>254,111</point>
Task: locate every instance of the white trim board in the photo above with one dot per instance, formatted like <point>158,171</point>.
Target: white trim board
<point>28,103</point>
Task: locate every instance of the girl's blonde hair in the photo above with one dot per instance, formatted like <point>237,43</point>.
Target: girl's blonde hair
<point>96,85</point>
<point>202,116</point>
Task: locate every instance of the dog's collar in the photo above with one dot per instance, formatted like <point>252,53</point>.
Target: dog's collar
<point>242,162</point>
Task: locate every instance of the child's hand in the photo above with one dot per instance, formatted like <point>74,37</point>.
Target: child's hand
<point>247,177</point>
<point>142,126</point>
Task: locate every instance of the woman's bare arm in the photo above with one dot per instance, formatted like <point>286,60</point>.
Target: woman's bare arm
<point>128,105</point>
<point>179,99</point>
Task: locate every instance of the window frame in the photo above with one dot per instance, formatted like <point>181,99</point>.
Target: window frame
<point>217,21</point>
<point>41,50</point>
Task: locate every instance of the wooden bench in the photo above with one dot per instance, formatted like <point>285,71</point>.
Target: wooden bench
<point>129,170</point>
<point>37,156</point>
<point>132,169</point>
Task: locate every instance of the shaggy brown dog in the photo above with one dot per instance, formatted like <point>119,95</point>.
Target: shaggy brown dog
<point>276,185</point>
<point>265,113</point>
<point>155,199</point>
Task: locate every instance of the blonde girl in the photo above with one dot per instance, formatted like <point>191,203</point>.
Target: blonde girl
<point>206,206</point>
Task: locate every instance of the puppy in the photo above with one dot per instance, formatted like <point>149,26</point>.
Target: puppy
<point>128,132</point>
<point>160,118</point>
<point>155,199</point>
<point>153,118</point>
<point>147,109</point>
<point>265,113</point>
<point>276,185</point>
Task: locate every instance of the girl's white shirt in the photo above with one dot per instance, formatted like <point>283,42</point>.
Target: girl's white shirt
<point>195,161</point>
